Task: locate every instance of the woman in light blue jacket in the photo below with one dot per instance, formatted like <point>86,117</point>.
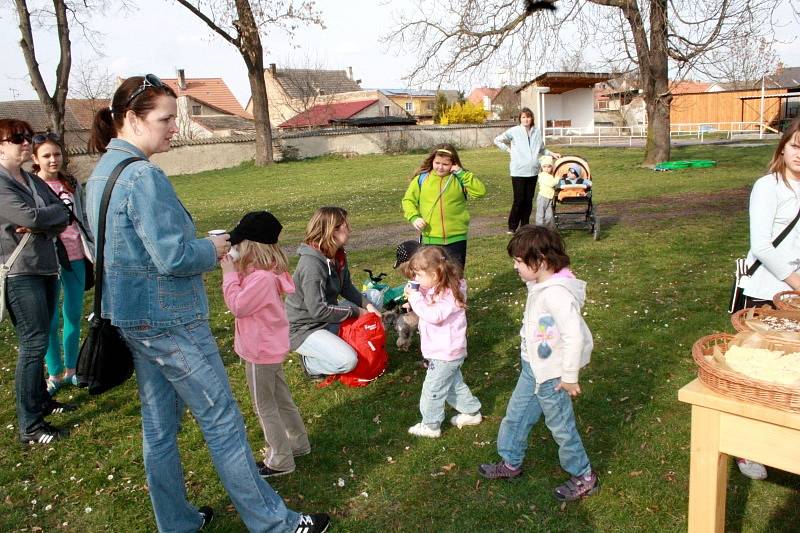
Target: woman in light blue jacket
<point>525,144</point>
<point>153,291</point>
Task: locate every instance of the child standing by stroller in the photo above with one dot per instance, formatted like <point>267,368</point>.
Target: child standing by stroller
<point>437,295</point>
<point>255,276</point>
<point>436,201</point>
<point>547,190</point>
<point>556,344</point>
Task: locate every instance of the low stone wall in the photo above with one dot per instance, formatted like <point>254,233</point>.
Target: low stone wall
<point>189,157</point>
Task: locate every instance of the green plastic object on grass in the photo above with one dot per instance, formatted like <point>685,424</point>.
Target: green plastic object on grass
<point>692,163</point>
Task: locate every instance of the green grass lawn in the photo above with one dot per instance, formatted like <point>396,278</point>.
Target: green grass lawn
<point>654,288</point>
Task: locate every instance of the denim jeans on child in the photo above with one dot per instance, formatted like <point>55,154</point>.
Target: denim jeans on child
<point>72,285</point>
<point>526,406</point>
<point>181,365</point>
<point>444,383</point>
<point>31,300</point>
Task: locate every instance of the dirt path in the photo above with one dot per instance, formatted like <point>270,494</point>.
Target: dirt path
<point>627,212</point>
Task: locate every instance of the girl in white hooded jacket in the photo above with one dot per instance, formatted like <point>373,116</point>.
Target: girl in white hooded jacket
<point>556,344</point>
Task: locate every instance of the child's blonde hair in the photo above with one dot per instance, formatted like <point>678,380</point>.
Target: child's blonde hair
<point>319,231</point>
<point>433,259</point>
<point>261,256</point>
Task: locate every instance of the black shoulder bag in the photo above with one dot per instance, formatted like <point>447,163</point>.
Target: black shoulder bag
<point>737,291</point>
<point>105,361</point>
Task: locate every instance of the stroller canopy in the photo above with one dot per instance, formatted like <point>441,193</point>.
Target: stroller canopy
<point>561,166</point>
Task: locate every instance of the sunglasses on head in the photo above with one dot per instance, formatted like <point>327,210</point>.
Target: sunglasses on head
<point>42,138</point>
<point>19,138</point>
<point>149,80</point>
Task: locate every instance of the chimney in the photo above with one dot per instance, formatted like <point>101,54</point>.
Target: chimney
<point>181,79</point>
<point>272,69</point>
<point>350,72</point>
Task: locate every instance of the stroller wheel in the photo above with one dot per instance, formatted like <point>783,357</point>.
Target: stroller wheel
<point>596,230</point>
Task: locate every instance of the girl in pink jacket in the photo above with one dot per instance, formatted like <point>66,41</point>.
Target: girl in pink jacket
<point>255,277</point>
<point>437,295</point>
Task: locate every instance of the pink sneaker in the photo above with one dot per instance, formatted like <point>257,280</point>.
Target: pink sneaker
<point>499,470</point>
<point>577,487</point>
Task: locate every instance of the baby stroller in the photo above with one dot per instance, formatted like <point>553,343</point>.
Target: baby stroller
<point>572,203</point>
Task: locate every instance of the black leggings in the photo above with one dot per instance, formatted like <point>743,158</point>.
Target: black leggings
<point>522,204</point>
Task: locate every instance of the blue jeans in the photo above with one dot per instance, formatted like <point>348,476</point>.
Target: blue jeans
<point>31,301</point>
<point>444,383</point>
<point>324,352</point>
<point>181,365</point>
<point>72,283</point>
<point>526,406</point>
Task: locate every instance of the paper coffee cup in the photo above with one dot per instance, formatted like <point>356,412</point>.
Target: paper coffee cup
<point>215,232</point>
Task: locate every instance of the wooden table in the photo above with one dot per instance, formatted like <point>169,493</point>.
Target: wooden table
<point>722,427</point>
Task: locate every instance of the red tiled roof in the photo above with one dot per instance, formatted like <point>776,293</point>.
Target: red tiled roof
<point>323,114</point>
<point>689,86</point>
<point>211,91</point>
<point>78,115</point>
<point>476,96</point>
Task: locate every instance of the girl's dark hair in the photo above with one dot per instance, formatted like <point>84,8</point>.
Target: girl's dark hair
<point>526,111</point>
<point>778,165</point>
<point>434,259</point>
<point>535,245</point>
<point>10,126</point>
<point>68,182</point>
<point>109,120</point>
<point>444,149</point>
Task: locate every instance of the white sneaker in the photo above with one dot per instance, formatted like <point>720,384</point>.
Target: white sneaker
<point>463,419</point>
<point>422,430</point>
<point>751,469</point>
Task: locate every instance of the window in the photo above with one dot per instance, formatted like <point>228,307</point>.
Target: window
<point>386,111</point>
<point>197,109</point>
<point>429,106</point>
<point>409,106</point>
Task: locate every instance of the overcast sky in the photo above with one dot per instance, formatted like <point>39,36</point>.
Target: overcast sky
<point>161,36</point>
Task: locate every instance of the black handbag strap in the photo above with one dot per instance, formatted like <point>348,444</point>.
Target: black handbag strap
<point>101,232</point>
<point>775,243</point>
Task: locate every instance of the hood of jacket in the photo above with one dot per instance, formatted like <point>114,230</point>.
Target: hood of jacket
<point>575,286</point>
<point>310,251</point>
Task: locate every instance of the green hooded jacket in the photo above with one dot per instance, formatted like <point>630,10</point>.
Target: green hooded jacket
<point>442,203</point>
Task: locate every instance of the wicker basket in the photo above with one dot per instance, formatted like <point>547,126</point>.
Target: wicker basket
<point>787,300</point>
<point>739,317</point>
<point>737,385</point>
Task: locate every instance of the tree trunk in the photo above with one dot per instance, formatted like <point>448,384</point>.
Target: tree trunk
<point>655,80</point>
<point>253,53</point>
<point>54,105</point>
<point>258,89</point>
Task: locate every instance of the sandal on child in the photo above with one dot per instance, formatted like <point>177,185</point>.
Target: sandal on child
<point>53,384</point>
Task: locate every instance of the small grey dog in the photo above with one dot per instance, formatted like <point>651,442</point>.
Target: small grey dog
<point>404,323</point>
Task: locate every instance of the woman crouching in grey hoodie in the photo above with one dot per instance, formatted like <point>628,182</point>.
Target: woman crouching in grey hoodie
<point>313,310</point>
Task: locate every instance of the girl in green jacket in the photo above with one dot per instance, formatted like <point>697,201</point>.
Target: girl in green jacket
<point>436,201</point>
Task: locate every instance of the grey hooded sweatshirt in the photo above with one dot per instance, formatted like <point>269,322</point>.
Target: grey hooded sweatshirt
<point>315,301</point>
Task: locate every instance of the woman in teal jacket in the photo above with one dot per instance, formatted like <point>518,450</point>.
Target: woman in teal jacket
<point>525,144</point>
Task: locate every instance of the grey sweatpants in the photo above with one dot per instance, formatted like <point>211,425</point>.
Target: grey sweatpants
<point>280,419</point>
<point>544,211</point>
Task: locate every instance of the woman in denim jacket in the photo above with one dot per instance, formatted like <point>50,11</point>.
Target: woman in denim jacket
<point>153,291</point>
<point>28,205</point>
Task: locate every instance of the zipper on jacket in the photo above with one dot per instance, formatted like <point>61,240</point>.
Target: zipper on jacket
<point>441,209</point>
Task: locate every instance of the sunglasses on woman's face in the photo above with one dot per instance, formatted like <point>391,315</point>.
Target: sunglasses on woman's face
<point>150,80</point>
<point>42,138</point>
<point>19,138</point>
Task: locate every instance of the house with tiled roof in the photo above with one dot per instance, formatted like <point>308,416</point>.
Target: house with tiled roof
<point>208,108</point>
<point>291,91</point>
<point>78,117</point>
<point>338,113</point>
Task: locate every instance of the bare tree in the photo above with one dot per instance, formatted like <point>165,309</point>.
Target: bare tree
<point>55,104</point>
<point>741,65</point>
<point>454,37</point>
<point>91,80</point>
<point>244,32</point>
